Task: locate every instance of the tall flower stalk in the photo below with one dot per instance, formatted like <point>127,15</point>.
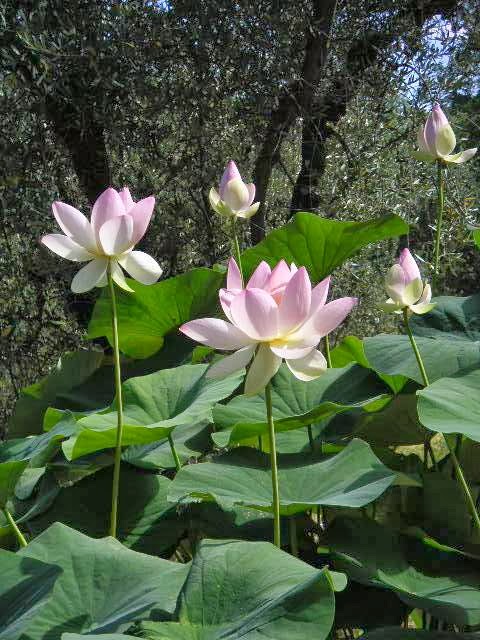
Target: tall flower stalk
<point>13,525</point>
<point>106,243</point>
<point>273,467</point>
<point>456,463</point>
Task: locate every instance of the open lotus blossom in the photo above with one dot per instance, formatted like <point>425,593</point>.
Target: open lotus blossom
<point>436,140</point>
<point>277,316</point>
<point>234,198</point>
<point>405,287</point>
<point>106,241</point>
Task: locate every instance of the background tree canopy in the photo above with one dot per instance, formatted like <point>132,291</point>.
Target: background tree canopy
<point>317,101</point>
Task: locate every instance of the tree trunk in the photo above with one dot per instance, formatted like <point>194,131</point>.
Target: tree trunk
<point>295,100</point>
<point>329,108</point>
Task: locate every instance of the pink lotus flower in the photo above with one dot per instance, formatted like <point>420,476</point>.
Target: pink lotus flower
<point>436,140</point>
<point>405,287</point>
<point>234,198</point>
<point>277,316</point>
<point>106,242</point>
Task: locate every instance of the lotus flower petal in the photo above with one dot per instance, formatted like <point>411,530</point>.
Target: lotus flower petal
<point>141,213</point>
<point>126,198</point>
<point>295,305</point>
<point>260,276</point>
<point>460,158</point>
<point>91,275</point>
<point>216,333</point>
<point>231,173</point>
<point>141,266</point>
<point>108,205</point>
<point>234,277</point>
<point>395,282</point>
<point>235,195</point>
<point>229,364</point>
<point>115,235</point>
<point>66,247</point>
<point>308,368</point>
<point>255,312</point>
<point>264,366</point>
<point>118,277</point>
<point>332,314</point>
<point>75,225</point>
<point>409,266</point>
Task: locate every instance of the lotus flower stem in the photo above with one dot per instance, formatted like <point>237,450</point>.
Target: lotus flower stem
<point>178,464</point>
<point>327,352</point>
<point>273,467</point>
<point>310,437</point>
<point>456,463</point>
<point>16,530</point>
<point>118,395</point>
<point>236,248</point>
<point>440,207</point>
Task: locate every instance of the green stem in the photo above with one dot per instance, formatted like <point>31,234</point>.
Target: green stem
<point>327,352</point>
<point>236,248</point>
<point>440,207</point>
<point>310,437</point>
<point>292,524</point>
<point>16,530</point>
<point>178,464</point>
<point>260,444</point>
<point>458,468</point>
<point>273,467</point>
<point>118,396</point>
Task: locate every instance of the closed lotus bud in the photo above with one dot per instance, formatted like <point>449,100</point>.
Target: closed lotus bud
<point>405,287</point>
<point>436,140</point>
<point>234,197</point>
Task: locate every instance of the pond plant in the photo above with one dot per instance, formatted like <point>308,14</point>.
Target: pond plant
<point>143,484</point>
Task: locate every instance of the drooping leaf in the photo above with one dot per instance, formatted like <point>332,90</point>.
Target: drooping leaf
<point>319,244</point>
<point>151,312</point>
<point>393,355</point>
<point>297,404</point>
<point>71,370</point>
<point>249,590</point>
<point>104,586</point>
<point>451,405</point>
<point>153,406</point>
<point>191,441</point>
<point>352,478</point>
<point>453,317</point>
<point>147,522</point>
<point>443,584</point>
<point>10,473</point>
<point>25,585</point>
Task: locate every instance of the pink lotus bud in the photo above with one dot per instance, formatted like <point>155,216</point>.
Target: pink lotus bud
<point>234,197</point>
<point>405,287</point>
<point>436,140</point>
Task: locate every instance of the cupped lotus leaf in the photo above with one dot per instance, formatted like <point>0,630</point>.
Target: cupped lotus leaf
<point>320,244</point>
<point>352,478</point>
<point>10,473</point>
<point>451,404</point>
<point>442,583</point>
<point>147,522</point>
<point>455,318</point>
<point>104,586</point>
<point>153,406</point>
<point>393,355</point>
<point>296,403</point>
<point>24,587</point>
<point>147,315</point>
<point>248,590</point>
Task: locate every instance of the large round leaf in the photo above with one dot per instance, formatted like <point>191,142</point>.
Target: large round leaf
<point>451,405</point>
<point>393,354</point>
<point>249,590</point>
<point>452,317</point>
<point>104,586</point>
<point>24,587</point>
<point>297,404</point>
<point>444,584</point>
<point>10,473</point>
<point>153,406</point>
<point>147,522</point>
<point>151,312</point>
<point>320,244</point>
<point>352,478</point>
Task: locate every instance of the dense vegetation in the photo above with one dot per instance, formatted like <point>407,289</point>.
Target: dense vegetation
<point>282,443</point>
